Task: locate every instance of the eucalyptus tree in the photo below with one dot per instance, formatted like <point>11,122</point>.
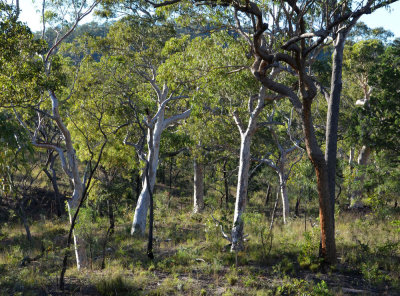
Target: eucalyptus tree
<point>136,45</point>
<point>290,44</point>
<point>223,84</point>
<point>286,143</point>
<point>46,102</point>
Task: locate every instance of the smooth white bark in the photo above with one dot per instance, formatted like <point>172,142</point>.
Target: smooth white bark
<point>244,165</point>
<point>155,128</point>
<point>241,192</point>
<point>139,218</point>
<point>284,196</point>
<point>70,167</point>
<point>79,244</point>
<point>69,164</point>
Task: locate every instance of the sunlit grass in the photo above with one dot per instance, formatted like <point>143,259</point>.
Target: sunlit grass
<point>192,257</point>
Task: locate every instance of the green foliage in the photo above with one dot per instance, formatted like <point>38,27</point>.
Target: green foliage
<point>101,72</point>
<point>284,267</point>
<point>378,121</point>
<point>372,273</point>
<point>321,289</point>
<point>308,257</point>
<point>22,75</point>
<point>15,148</point>
<point>232,277</point>
<point>302,287</point>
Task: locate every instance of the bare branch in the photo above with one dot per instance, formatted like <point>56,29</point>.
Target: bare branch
<point>175,118</point>
<point>78,19</point>
<point>238,121</point>
<point>162,107</point>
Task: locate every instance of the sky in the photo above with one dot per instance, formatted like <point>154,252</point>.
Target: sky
<point>390,20</point>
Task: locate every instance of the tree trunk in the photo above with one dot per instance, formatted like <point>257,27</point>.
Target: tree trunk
<point>241,193</point>
<point>327,219</point>
<point>333,115</point>
<point>72,171</point>
<point>284,196</point>
<point>79,244</point>
<point>25,221</point>
<point>355,199</point>
<point>297,207</point>
<point>351,164</point>
<point>198,196</point>
<point>139,218</point>
<point>151,219</point>
<point>138,187</point>
<point>268,194</point>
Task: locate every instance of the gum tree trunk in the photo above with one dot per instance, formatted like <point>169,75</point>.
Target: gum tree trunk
<point>198,196</point>
<point>241,192</point>
<point>284,196</point>
<point>69,164</point>
<point>246,135</point>
<point>327,222</point>
<point>139,218</point>
<point>155,127</point>
<point>79,244</point>
<point>70,167</point>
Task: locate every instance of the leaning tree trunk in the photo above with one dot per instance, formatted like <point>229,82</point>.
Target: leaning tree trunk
<point>139,218</point>
<point>198,196</point>
<point>72,172</point>
<point>241,192</point>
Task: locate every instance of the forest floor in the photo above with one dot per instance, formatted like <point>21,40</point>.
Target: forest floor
<point>192,257</point>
